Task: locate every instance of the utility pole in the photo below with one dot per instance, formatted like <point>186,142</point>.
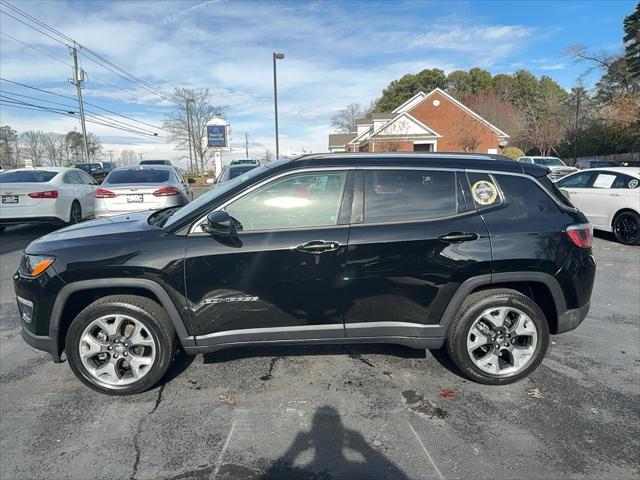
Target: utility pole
<point>246,145</point>
<point>111,156</point>
<point>189,100</point>
<point>140,155</point>
<point>276,56</point>
<point>575,137</point>
<point>78,78</point>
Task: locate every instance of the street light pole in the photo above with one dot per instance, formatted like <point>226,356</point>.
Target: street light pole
<point>276,56</point>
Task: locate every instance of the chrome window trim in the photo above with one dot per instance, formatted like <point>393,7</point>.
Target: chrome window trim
<point>194,230</point>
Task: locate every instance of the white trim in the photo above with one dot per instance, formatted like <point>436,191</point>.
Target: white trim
<point>412,102</point>
<point>410,118</point>
<point>357,139</point>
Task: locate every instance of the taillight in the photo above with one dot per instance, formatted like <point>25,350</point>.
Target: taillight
<point>47,194</point>
<point>166,192</point>
<point>581,235</point>
<point>104,193</point>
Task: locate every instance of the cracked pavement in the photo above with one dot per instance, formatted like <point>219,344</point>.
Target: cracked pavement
<point>334,412</point>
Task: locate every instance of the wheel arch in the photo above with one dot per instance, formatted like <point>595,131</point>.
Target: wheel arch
<point>541,287</point>
<point>75,296</point>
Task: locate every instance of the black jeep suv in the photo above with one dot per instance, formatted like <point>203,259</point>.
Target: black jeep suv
<point>481,254</point>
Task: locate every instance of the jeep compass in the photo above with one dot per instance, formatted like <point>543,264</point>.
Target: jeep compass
<point>470,252</point>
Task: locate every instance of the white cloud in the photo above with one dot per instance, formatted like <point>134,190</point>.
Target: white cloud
<point>332,58</point>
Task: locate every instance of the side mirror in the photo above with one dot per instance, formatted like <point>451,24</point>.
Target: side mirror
<point>191,181</point>
<point>219,223</point>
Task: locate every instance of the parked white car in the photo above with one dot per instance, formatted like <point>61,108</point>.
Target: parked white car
<point>45,195</point>
<point>144,187</point>
<point>558,168</point>
<point>609,197</point>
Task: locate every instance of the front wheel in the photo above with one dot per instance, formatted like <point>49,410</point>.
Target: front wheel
<point>121,344</point>
<point>626,228</point>
<point>498,337</point>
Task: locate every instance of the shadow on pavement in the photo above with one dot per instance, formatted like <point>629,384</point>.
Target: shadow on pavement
<point>334,451</point>
<point>353,350</point>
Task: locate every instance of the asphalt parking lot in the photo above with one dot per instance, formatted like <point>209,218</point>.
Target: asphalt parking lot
<point>335,412</point>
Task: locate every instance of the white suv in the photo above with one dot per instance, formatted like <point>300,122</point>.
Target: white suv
<point>558,168</point>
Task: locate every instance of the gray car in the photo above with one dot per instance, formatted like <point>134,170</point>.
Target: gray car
<point>143,187</point>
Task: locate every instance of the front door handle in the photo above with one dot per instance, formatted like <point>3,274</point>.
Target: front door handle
<point>459,237</point>
<point>318,246</point>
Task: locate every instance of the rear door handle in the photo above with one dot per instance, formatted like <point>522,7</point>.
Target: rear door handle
<point>459,237</point>
<point>318,246</point>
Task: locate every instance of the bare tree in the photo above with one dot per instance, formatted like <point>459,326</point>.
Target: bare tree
<point>345,119</point>
<point>34,144</point>
<point>469,135</point>
<point>127,157</point>
<point>55,146</point>
<point>202,109</point>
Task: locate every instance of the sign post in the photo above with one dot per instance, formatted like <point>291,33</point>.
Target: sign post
<point>218,133</point>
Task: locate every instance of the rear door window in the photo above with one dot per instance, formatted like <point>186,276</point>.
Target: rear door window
<point>406,195</point>
<point>579,180</point>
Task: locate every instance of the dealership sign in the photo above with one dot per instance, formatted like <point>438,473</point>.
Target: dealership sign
<point>217,136</point>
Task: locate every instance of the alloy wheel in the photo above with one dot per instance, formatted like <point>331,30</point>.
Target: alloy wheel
<point>502,341</point>
<point>626,227</point>
<point>76,214</point>
<point>117,350</point>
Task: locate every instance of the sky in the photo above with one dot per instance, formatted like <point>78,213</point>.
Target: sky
<point>336,53</point>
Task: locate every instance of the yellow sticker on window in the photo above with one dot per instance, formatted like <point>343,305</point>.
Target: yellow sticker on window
<point>484,193</point>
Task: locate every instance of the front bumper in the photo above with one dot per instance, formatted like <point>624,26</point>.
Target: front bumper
<point>570,319</point>
<point>42,342</point>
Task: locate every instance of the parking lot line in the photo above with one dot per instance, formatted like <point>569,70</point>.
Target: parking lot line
<point>433,464</point>
<point>224,449</point>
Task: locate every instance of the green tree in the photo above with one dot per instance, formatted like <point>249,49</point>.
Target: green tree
<point>459,83</point>
<point>399,91</point>
<point>479,80</point>
<point>631,39</point>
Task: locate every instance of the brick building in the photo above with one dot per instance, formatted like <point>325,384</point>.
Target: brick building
<point>424,123</point>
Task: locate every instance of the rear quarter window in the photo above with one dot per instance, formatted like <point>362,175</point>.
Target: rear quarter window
<point>524,199</point>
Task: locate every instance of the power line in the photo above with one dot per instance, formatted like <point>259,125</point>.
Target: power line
<point>88,103</point>
<point>73,107</point>
<point>58,59</point>
<point>100,60</point>
<point>59,111</point>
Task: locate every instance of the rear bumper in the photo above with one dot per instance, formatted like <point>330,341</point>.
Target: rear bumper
<point>4,221</point>
<point>570,319</point>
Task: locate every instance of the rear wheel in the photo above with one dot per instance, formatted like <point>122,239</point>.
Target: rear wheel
<point>121,344</point>
<point>626,227</point>
<point>75,215</point>
<point>498,337</point>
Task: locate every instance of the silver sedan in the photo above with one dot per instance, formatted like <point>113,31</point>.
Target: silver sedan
<point>143,187</point>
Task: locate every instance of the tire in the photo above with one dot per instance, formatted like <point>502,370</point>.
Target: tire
<point>480,363</point>
<point>75,214</point>
<point>626,227</point>
<point>116,317</point>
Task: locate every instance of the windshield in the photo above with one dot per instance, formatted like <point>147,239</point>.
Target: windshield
<point>27,176</point>
<point>549,162</point>
<point>137,176</point>
<point>212,194</point>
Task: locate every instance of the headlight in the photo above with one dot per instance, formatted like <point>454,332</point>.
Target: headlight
<point>35,265</point>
